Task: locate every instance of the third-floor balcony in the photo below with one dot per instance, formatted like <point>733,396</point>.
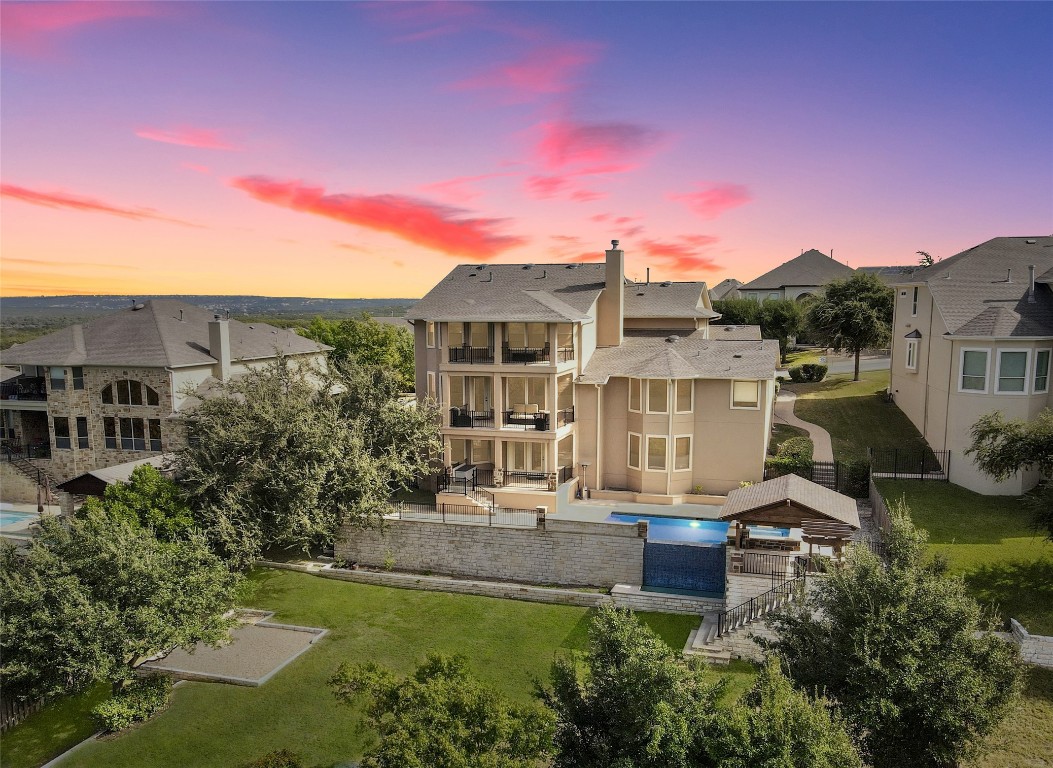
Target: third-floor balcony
<point>472,355</point>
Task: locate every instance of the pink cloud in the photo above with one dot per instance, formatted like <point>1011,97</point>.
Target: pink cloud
<point>30,28</point>
<point>540,187</point>
<point>545,70</point>
<point>682,256</point>
<point>459,189</point>
<point>417,221</point>
<point>713,200</point>
<point>586,195</point>
<point>66,201</point>
<point>203,169</point>
<point>594,148</point>
<point>186,136</point>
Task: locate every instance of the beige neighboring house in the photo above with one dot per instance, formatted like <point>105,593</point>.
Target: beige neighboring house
<point>550,372</point>
<point>111,390</point>
<point>797,279</point>
<point>973,334</point>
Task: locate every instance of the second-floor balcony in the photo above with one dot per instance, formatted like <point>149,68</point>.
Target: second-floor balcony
<point>24,388</point>
<point>461,416</point>
<point>472,355</point>
<point>532,417</point>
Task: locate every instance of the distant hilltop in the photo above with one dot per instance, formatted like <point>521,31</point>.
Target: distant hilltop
<point>290,306</point>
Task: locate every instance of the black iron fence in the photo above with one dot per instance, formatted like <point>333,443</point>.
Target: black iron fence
<point>470,482</point>
<point>539,421</point>
<point>910,463</point>
<point>536,480</point>
<point>760,606</point>
<point>24,389</point>
<point>460,416</point>
<point>525,354</point>
<point>472,355</point>
<point>467,514</point>
<point>850,479</point>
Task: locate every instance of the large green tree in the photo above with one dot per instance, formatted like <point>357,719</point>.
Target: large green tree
<point>92,597</point>
<point>852,315</point>
<point>738,311</point>
<point>1002,448</point>
<point>284,455</point>
<point>149,499</point>
<point>782,320</point>
<point>442,717</point>
<point>899,646</point>
<point>365,341</point>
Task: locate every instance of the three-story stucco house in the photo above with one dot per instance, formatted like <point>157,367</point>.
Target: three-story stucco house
<point>553,373</point>
<point>112,390</point>
<point>973,334</point>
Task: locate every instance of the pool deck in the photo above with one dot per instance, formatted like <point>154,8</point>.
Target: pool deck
<point>21,529</point>
<point>597,511</point>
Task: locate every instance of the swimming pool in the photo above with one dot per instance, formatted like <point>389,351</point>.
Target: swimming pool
<point>11,518</point>
<point>677,528</point>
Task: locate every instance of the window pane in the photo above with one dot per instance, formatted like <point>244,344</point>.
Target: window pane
<point>126,434</point>
<point>658,395</point>
<point>62,432</point>
<point>155,434</point>
<point>683,453</point>
<point>78,378</point>
<point>537,335</point>
<point>151,396</point>
<point>656,453</point>
<point>455,334</point>
<point>138,435</point>
<point>515,391</point>
<point>431,334</point>
<point>107,394</point>
<point>746,394</point>
<point>974,364</point>
<point>683,395</point>
<point>565,335</point>
<point>82,432</point>
<point>1042,371</point>
<point>537,392</point>
<point>109,428</point>
<point>58,378</point>
<point>137,393</point>
<point>634,451</point>
<point>634,394</point>
<point>479,335</point>
<point>482,451</point>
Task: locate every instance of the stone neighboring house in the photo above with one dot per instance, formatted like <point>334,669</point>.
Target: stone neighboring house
<point>797,279</point>
<point>973,334</point>
<point>113,390</point>
<point>550,372</point>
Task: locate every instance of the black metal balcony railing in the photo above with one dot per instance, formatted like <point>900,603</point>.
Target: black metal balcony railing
<point>564,354</point>
<point>471,355</point>
<point>462,417</point>
<point>28,388</point>
<point>539,421</point>
<point>527,479</point>
<point>525,354</point>
<point>565,416</point>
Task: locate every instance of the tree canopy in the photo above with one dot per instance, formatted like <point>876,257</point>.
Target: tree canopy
<point>442,717</point>
<point>779,319</point>
<point>148,499</point>
<point>852,314</point>
<point>284,455</point>
<point>1002,448</point>
<point>898,647</point>
<point>365,341</point>
<point>90,598</point>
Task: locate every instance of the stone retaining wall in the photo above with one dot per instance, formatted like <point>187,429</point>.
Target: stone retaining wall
<point>631,596</point>
<point>556,552</point>
<point>1034,649</point>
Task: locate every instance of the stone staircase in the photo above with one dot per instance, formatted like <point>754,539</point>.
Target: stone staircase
<point>35,473</point>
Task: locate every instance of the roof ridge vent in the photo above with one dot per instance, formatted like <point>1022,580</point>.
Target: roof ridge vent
<point>672,339</point>
<point>528,266</point>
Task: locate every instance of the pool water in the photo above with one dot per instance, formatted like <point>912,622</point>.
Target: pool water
<point>677,528</point>
<point>10,518</point>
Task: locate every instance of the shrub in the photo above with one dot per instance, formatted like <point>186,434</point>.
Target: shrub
<point>142,698</point>
<point>280,758</point>
<point>797,447</point>
<point>857,484</point>
<point>809,372</point>
<point>789,465</point>
<point>796,374</point>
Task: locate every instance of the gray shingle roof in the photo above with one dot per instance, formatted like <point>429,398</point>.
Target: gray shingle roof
<point>691,356</point>
<point>513,292</point>
<point>793,488</point>
<point>735,332</point>
<point>725,287</point>
<point>666,299</point>
<point>890,275</point>
<point>163,333</point>
<point>984,291</point>
<point>810,268</point>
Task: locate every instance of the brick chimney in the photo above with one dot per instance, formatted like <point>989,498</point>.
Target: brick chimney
<point>610,307</point>
<point>219,346</point>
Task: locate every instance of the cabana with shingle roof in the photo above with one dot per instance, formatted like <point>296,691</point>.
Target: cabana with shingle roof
<point>824,517</point>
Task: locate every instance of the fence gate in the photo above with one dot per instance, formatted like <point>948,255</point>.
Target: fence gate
<point>691,567</point>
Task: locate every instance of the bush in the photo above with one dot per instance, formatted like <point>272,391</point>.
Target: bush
<point>281,758</point>
<point>142,698</point>
<point>809,372</point>
<point>789,465</point>
<point>857,484</point>
<point>797,447</point>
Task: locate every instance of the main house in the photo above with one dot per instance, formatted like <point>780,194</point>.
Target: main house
<point>973,334</point>
<point>799,278</point>
<point>113,390</point>
<point>549,372</point>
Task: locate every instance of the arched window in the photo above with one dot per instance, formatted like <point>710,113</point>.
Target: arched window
<point>129,392</point>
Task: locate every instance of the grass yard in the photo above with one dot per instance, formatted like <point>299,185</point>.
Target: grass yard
<point>803,357</point>
<point>781,433</point>
<point>855,414</point>
<point>1025,737</point>
<point>509,644</point>
<point>989,541</point>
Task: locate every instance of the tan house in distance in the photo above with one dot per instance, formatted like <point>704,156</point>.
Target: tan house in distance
<point>797,279</point>
<point>551,372</point>
<point>112,390</point>
<point>973,334</point>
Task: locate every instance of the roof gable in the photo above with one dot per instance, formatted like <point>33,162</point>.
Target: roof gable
<point>795,490</point>
<point>810,268</point>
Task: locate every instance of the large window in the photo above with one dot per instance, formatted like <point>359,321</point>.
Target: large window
<point>914,303</point>
<point>634,395</point>
<point>1042,370</point>
<point>745,394</point>
<point>129,392</point>
<point>133,435</point>
<point>78,378</point>
<point>974,370</point>
<point>634,450</point>
<point>656,452</point>
<point>685,389</point>
<point>682,452</point>
<point>82,432</point>
<point>912,354</point>
<point>431,334</point>
<point>1012,371</point>
<point>58,378</point>
<point>658,396</point>
<point>62,432</point>
<point>154,433</point>
<point>525,390</point>
<point>526,335</point>
<point>109,430</point>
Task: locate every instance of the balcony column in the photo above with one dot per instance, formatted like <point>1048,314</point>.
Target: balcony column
<point>499,339</point>
<point>553,343</point>
<point>498,397</point>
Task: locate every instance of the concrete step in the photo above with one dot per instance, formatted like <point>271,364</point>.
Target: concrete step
<point>703,642</point>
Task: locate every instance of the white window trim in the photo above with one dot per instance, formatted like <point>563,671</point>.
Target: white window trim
<point>645,455</point>
<point>676,398</point>
<point>961,371</point>
<point>911,362</point>
<point>639,383</point>
<point>998,371</point>
<point>914,302</point>
<point>760,397</point>
<point>690,453</point>
<point>629,450</point>
<point>1049,369</point>
<point>667,403</point>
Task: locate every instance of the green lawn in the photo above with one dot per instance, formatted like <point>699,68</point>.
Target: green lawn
<point>781,433</point>
<point>509,644</point>
<point>989,541</point>
<point>803,357</point>
<point>855,414</point>
<point>1025,737</point>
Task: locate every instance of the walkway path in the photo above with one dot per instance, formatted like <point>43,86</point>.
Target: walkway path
<point>820,437</point>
